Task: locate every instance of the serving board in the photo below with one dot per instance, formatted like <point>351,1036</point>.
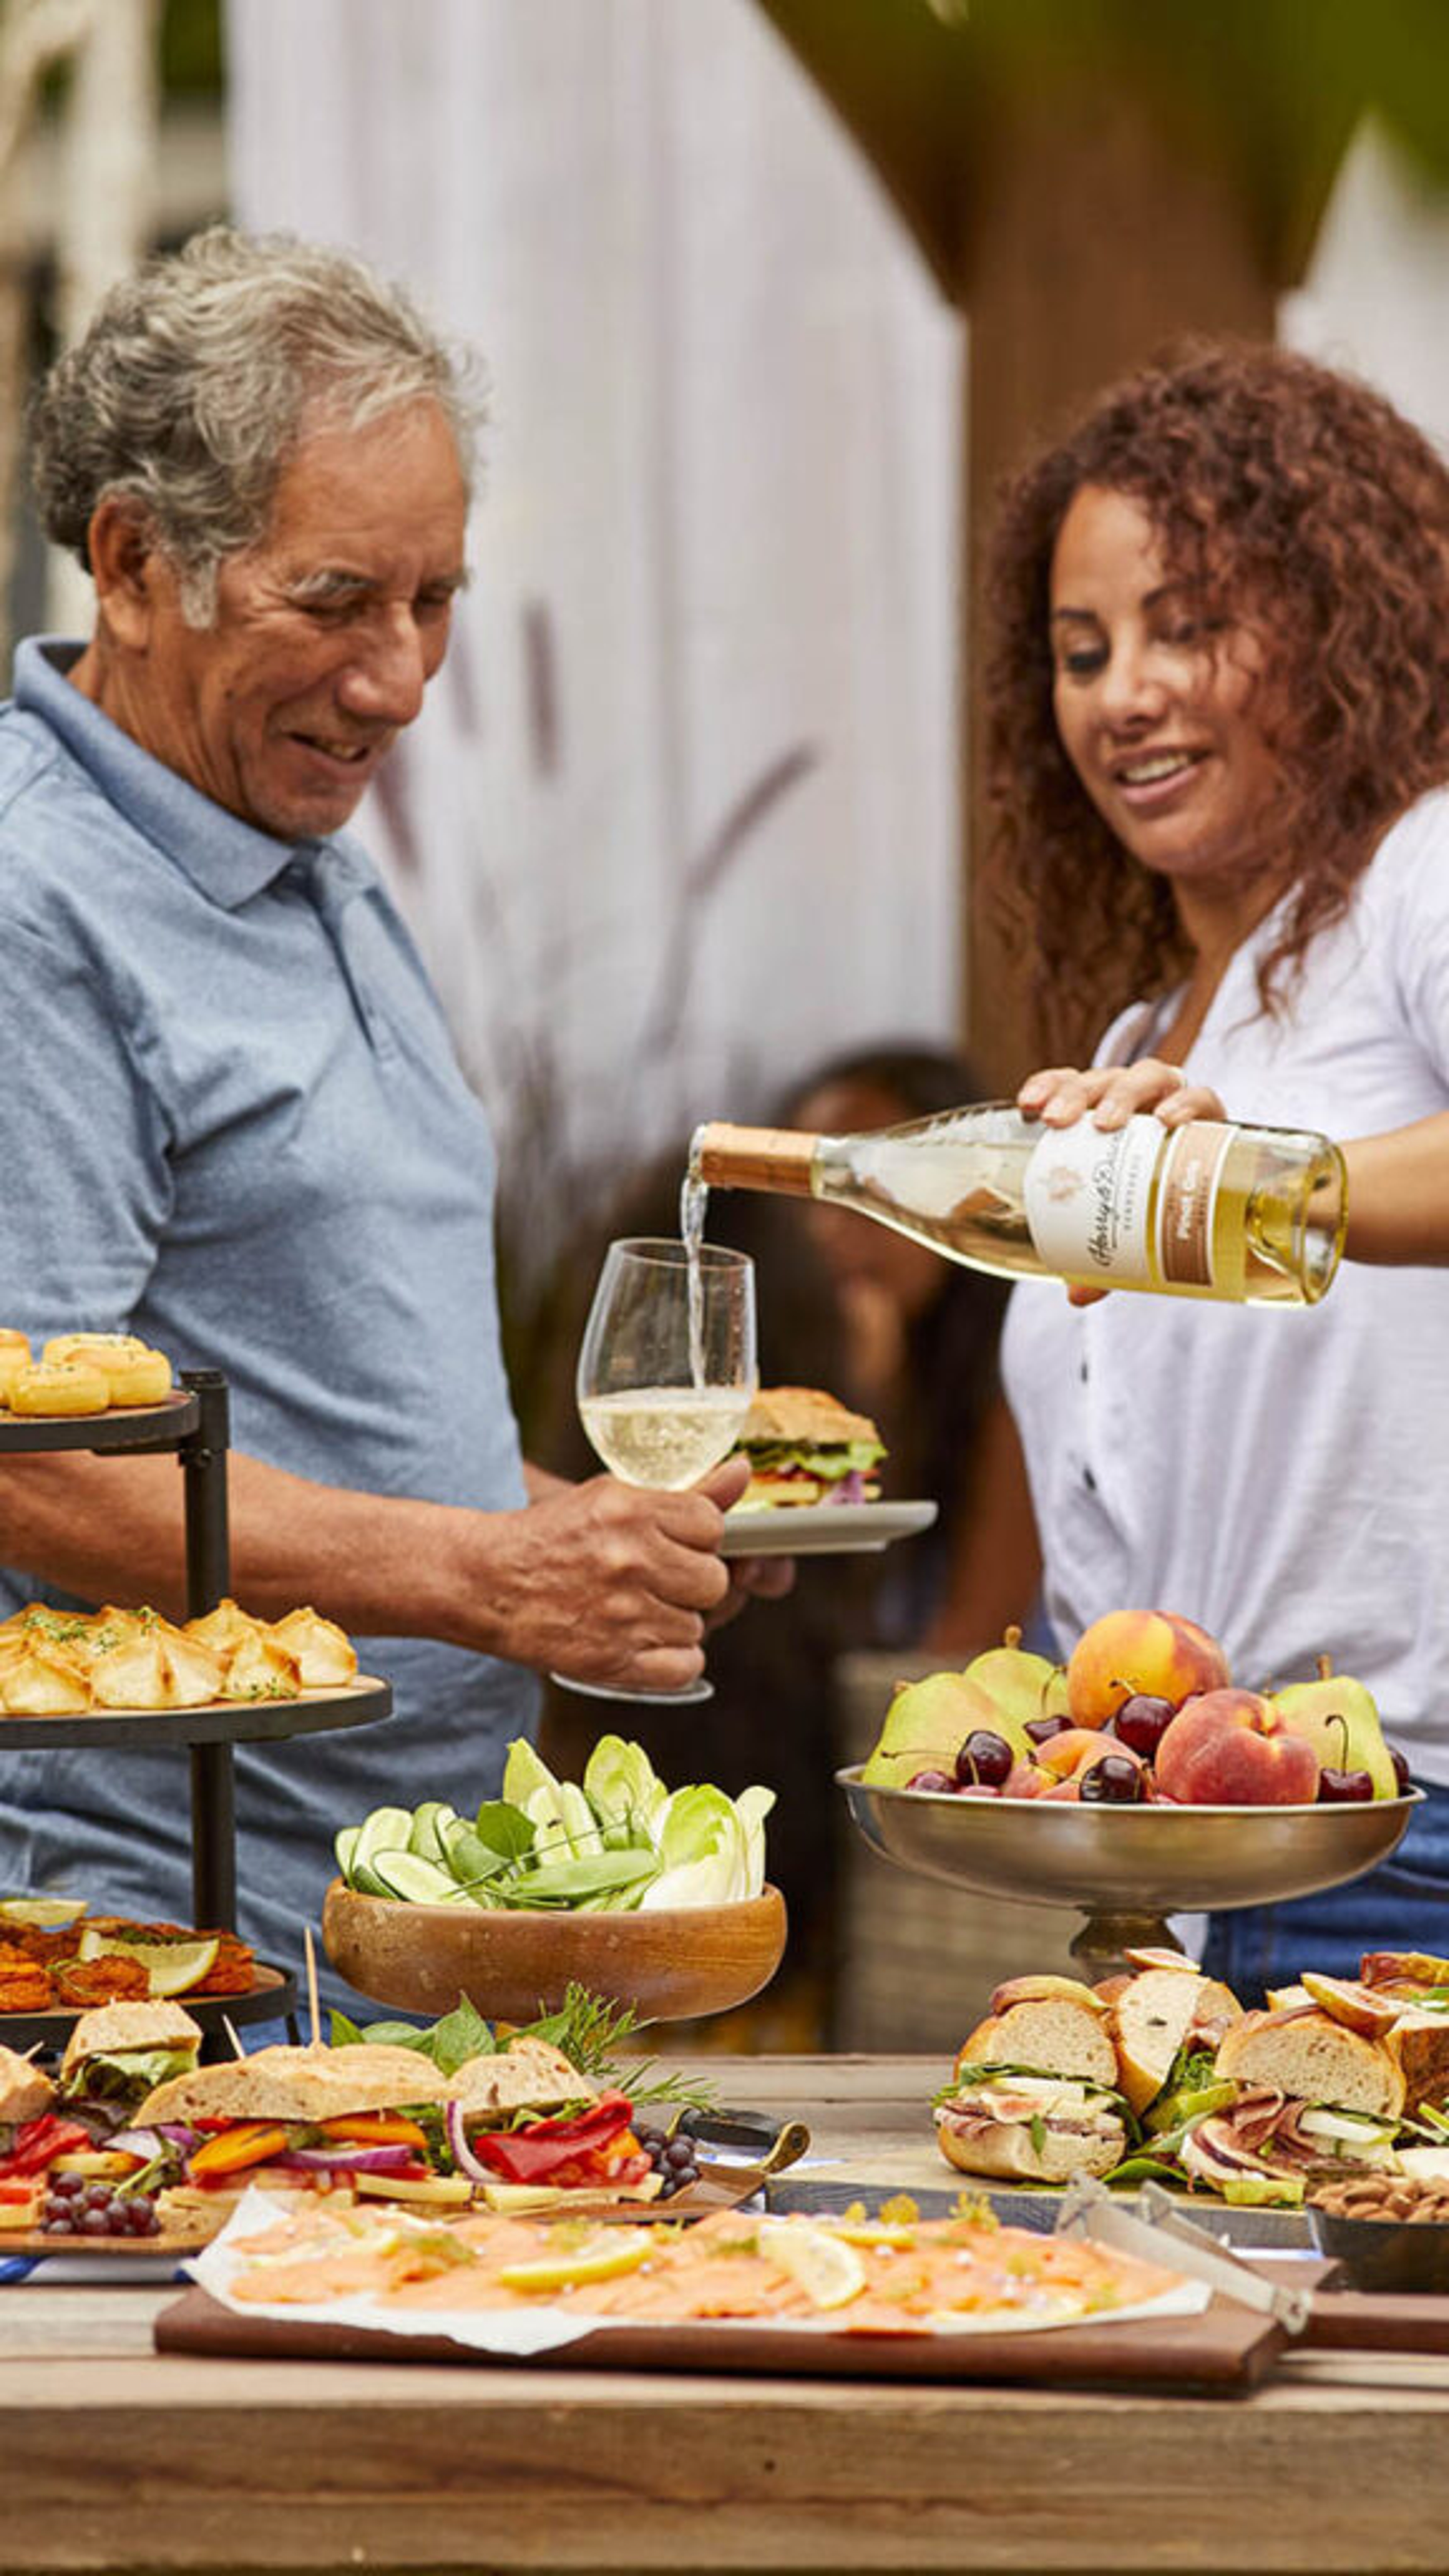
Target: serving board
<point>1224,2352</point>
<point>271,1995</point>
<point>1280,2230</point>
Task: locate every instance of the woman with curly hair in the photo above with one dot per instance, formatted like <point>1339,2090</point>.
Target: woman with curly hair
<point>1219,750</point>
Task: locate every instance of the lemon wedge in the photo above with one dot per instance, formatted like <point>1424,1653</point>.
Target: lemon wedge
<point>571,2271</point>
<point>172,1967</point>
<point>829,2271</point>
<point>47,1913</point>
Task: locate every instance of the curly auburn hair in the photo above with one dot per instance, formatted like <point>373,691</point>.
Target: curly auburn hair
<point>1288,494</point>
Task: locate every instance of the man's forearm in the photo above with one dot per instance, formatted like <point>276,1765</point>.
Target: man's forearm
<point>113,1529</point>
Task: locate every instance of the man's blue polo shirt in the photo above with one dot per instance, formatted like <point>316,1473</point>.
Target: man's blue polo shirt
<point>231,1121</point>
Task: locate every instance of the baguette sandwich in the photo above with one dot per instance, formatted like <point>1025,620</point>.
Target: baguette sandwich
<point>804,1447</point>
<point>1167,2023</point>
<point>385,2122</point>
<point>1312,2098</point>
<point>1036,2095</point>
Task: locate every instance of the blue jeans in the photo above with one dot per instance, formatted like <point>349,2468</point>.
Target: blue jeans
<point>1401,1905</point>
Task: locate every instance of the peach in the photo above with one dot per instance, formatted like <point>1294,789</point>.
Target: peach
<point>1230,1748</point>
<point>1151,1654</point>
<point>1061,1755</point>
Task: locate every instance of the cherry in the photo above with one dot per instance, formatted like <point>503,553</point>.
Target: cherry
<point>1400,1762</point>
<point>1142,1721</point>
<point>984,1761</point>
<point>1112,1782</point>
<point>931,1780</point>
<point>1042,1729</point>
<point>1343,1788</point>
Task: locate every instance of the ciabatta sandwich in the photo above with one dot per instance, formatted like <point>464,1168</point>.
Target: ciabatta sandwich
<point>1036,2095</point>
<point>1167,2023</point>
<point>804,1447</point>
<point>120,2052</point>
<point>1313,2098</point>
<point>386,2122</point>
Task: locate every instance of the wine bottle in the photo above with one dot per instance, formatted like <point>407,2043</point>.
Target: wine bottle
<point>1202,1210</point>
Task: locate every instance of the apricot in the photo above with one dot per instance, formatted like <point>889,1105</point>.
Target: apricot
<point>1231,1748</point>
<point>1151,1654</point>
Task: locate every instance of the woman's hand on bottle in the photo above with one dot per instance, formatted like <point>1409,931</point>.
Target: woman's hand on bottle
<point>1060,1094</point>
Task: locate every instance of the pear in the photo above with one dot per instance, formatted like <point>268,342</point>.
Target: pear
<point>926,1725</point>
<point>1338,1718</point>
<point>1021,1685</point>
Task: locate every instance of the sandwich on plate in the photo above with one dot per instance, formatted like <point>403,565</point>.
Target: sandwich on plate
<point>804,1447</point>
<point>520,2127</point>
<point>78,2126</point>
<point>1037,2093</point>
<point>1167,2023</point>
<point>1312,2099</point>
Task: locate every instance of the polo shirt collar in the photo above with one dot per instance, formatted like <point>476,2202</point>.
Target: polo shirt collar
<point>227,860</point>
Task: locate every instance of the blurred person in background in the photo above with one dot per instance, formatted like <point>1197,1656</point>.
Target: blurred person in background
<point>234,1123</point>
<point>1219,749</point>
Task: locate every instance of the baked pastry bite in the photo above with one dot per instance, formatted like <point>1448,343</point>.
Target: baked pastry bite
<point>137,1377</point>
<point>325,1652</point>
<point>49,1387</point>
<point>91,1346</point>
<point>134,1372</point>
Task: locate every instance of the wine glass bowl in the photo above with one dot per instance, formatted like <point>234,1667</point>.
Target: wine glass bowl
<point>667,1368</point>
<point>666,1375</point>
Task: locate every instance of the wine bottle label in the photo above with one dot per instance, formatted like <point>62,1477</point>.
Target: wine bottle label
<point>1088,1197</point>
<point>1091,1208</point>
<point>1187,1202</point>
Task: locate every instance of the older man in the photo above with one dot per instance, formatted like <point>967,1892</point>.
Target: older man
<point>230,1118</point>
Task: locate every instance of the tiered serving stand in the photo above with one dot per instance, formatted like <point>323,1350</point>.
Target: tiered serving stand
<point>195,1425</point>
<point>1125,1869</point>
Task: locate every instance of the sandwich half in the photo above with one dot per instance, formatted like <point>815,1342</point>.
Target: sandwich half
<point>1313,2099</point>
<point>1036,2094</point>
<point>804,1447</point>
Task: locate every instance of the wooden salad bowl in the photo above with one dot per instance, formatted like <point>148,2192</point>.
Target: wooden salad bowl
<point>514,1965</point>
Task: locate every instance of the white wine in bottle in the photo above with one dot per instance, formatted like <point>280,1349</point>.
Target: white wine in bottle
<point>1201,1210</point>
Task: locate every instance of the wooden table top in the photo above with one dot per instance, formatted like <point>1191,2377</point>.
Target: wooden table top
<point>114,2457</point>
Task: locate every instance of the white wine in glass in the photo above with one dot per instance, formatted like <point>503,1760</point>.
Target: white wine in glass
<point>666,1374</point>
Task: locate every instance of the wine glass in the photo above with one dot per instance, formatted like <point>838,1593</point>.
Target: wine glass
<point>666,1375</point>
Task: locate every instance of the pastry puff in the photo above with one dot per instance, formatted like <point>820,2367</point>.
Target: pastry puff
<point>133,1371</point>
<point>14,1356</point>
<point>58,1386</point>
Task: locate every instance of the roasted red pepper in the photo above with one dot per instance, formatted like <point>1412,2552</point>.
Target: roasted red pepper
<point>539,2152</point>
<point>39,2142</point>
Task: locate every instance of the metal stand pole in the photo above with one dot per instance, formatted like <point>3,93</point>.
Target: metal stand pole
<point>203,1456</point>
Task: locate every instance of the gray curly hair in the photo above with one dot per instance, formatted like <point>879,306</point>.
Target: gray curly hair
<point>189,390</point>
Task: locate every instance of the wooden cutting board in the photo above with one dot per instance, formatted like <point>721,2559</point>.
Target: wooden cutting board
<point>1225,2352</point>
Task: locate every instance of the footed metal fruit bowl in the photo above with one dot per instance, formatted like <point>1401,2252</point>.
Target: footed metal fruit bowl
<point>671,1965</point>
<point>1126,1868</point>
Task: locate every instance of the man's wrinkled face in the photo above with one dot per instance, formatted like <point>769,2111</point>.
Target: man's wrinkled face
<point>325,634</point>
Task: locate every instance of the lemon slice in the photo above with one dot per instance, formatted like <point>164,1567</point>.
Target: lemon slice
<point>571,2271</point>
<point>172,1967</point>
<point>874,2231</point>
<point>829,2271</point>
<point>47,1913</point>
